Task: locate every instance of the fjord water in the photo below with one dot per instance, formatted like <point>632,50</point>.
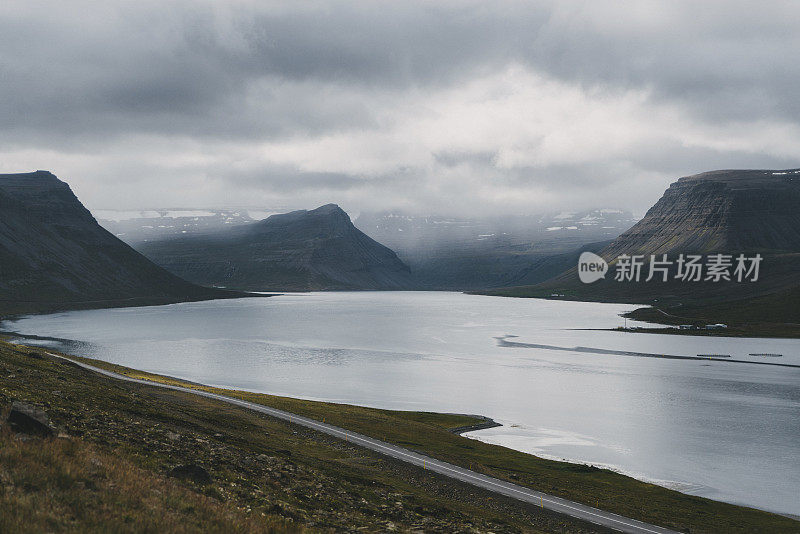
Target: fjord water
<point>725,430</point>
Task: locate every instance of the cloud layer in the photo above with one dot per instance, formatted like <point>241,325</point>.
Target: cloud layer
<point>427,106</point>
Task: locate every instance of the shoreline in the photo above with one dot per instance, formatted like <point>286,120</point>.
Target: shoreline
<point>485,424</point>
<point>648,313</point>
<point>699,332</point>
<point>733,331</point>
<point>667,484</point>
<point>422,432</point>
<point>13,309</point>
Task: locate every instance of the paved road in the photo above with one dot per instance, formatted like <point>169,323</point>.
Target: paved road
<point>549,502</point>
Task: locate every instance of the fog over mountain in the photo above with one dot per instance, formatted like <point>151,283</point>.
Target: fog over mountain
<point>442,252</point>
<point>317,249</point>
<point>450,108</point>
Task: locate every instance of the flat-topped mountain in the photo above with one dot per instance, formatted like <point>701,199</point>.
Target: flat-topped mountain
<point>54,255</point>
<point>302,250</point>
<point>726,212</point>
<point>720,211</point>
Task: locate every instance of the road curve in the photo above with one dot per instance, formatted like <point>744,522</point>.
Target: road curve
<point>549,502</point>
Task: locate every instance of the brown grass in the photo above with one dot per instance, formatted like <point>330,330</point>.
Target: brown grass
<point>256,463</point>
<point>67,485</point>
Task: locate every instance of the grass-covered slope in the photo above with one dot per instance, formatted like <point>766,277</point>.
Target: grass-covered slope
<point>241,431</point>
<point>428,432</point>
<point>67,484</point>
<point>264,472</point>
<point>775,315</point>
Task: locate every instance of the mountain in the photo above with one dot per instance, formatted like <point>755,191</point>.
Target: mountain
<point>54,255</point>
<point>731,210</point>
<point>468,253</point>
<point>138,226</point>
<point>463,253</point>
<point>303,250</point>
<point>728,212</point>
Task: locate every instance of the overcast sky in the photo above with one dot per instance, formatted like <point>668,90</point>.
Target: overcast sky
<point>431,107</point>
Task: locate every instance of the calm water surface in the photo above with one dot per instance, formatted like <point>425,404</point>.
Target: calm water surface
<point>724,430</point>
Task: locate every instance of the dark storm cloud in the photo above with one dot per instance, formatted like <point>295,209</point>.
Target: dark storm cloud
<point>344,96</point>
<point>185,68</point>
<point>731,60</point>
<point>287,180</point>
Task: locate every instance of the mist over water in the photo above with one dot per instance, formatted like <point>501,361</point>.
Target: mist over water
<point>720,429</point>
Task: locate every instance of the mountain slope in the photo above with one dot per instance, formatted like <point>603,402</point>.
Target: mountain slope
<point>728,212</point>
<point>302,250</point>
<point>54,255</point>
<point>720,211</point>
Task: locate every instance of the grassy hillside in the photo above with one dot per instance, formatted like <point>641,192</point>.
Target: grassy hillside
<point>319,481</point>
<point>265,473</point>
<point>775,315</point>
<point>71,485</point>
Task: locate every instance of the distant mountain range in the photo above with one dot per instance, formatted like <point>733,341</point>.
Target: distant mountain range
<point>417,238</point>
<point>442,252</point>
<point>138,226</point>
<point>727,212</point>
<point>474,253</point>
<point>54,255</point>
<point>319,249</point>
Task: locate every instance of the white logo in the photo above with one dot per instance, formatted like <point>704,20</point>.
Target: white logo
<point>687,268</point>
<point>591,267</point>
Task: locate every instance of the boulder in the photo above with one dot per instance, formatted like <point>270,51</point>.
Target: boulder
<point>28,419</point>
<point>191,472</point>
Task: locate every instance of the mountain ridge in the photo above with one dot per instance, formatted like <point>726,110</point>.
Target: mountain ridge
<point>54,254</point>
<point>726,212</point>
<point>736,210</point>
<point>302,250</point>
